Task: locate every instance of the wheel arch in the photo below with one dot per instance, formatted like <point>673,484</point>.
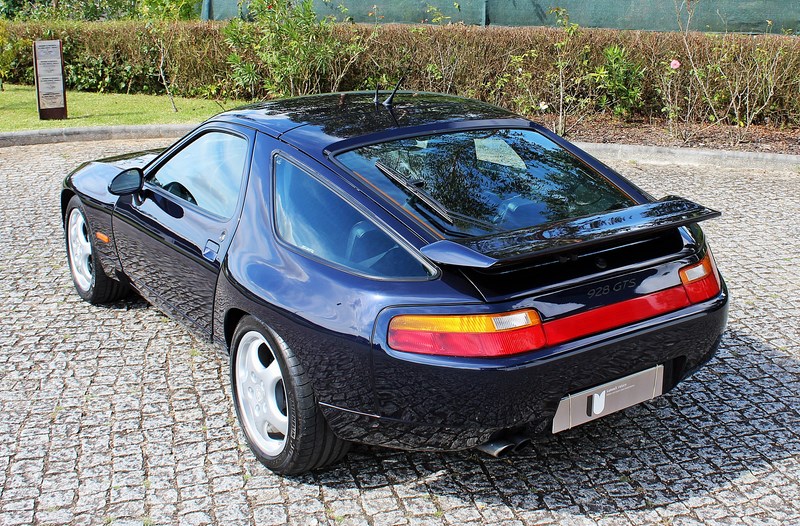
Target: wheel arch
<point>66,195</point>
<point>319,351</point>
<point>232,318</point>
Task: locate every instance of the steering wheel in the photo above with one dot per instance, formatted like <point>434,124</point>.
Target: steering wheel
<point>584,196</point>
<point>178,189</point>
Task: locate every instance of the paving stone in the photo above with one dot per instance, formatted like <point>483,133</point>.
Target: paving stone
<point>106,417</point>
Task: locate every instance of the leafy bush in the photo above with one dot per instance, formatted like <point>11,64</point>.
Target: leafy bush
<point>9,8</point>
<point>619,81</point>
<point>169,9</point>
<point>124,57</point>
<point>76,10</point>
<point>7,55</point>
<point>287,51</point>
<point>731,79</point>
<point>90,10</point>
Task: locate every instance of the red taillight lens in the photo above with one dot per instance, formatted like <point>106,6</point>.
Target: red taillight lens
<point>481,335</point>
<point>615,315</point>
<point>701,280</point>
<point>492,335</point>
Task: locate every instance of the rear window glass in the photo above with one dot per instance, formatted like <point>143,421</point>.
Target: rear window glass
<point>477,182</point>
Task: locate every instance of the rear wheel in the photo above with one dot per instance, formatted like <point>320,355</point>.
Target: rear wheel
<point>275,404</point>
<point>90,281</point>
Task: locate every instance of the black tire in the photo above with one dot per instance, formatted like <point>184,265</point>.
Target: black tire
<point>308,443</point>
<point>87,273</point>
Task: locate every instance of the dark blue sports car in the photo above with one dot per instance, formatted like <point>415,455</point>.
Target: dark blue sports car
<point>430,272</point>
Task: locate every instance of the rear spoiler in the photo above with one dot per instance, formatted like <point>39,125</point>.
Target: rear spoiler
<point>567,235</point>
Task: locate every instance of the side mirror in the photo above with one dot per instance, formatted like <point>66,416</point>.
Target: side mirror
<point>128,182</point>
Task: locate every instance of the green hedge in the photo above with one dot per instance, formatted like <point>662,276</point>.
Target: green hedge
<point>124,57</point>
<point>567,71</point>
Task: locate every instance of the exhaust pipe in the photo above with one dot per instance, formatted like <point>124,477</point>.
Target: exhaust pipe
<point>501,446</point>
<point>496,447</point>
<point>520,442</point>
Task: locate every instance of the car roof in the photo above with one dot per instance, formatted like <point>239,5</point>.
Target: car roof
<point>316,122</point>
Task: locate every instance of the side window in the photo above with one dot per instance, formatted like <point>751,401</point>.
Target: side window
<point>207,172</point>
<point>313,218</point>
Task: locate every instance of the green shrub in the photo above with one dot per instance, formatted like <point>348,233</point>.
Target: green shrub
<point>76,10</point>
<point>287,51</point>
<point>90,10</point>
<point>169,9</point>
<point>7,55</point>
<point>124,56</point>
<point>733,79</point>
<point>619,81</point>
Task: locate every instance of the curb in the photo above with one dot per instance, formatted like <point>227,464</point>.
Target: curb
<point>698,156</point>
<point>96,133</point>
<point>604,151</point>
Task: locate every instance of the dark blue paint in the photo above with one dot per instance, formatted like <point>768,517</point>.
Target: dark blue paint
<point>154,227</point>
<point>336,321</point>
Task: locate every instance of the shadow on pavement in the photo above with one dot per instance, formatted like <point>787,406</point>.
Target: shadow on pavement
<point>731,424</point>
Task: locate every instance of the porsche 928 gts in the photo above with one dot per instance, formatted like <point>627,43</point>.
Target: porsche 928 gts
<point>427,273</point>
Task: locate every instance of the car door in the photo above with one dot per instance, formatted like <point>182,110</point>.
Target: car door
<point>172,236</point>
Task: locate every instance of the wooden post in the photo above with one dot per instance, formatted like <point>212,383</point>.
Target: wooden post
<point>48,60</point>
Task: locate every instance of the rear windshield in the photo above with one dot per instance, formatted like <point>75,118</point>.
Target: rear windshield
<point>474,183</point>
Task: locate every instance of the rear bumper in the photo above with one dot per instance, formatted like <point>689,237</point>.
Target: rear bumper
<point>428,402</point>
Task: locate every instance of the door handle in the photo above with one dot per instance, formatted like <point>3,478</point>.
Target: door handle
<point>211,250</point>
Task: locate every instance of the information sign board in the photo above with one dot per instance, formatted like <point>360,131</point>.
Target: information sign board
<point>48,60</point>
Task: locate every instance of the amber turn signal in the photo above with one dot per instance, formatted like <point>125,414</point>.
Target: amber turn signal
<point>701,280</point>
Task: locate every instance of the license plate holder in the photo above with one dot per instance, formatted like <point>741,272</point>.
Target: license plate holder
<point>578,408</point>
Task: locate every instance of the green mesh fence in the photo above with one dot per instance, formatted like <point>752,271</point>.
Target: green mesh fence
<point>747,16</point>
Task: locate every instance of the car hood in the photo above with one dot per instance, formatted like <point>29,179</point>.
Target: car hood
<point>131,160</point>
<point>92,178</point>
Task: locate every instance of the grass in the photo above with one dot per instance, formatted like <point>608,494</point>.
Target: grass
<point>19,111</point>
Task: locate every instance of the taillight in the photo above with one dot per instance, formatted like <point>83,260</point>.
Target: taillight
<point>701,280</point>
<point>615,315</point>
<point>488,335</point>
<point>480,335</point>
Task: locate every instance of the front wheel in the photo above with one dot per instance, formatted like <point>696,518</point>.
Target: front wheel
<point>275,404</point>
<point>90,281</point>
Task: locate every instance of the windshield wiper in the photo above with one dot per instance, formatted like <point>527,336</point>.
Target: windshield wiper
<point>433,204</point>
<point>475,221</point>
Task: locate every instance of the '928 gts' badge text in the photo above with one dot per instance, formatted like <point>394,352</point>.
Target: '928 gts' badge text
<point>609,288</point>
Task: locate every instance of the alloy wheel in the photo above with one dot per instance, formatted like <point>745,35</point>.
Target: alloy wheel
<point>80,250</point>
<point>261,394</point>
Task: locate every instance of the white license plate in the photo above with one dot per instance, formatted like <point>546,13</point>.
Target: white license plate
<point>591,404</point>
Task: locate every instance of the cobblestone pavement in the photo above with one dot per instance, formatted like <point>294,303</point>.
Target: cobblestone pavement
<point>117,415</point>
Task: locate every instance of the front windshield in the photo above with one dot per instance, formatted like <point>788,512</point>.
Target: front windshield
<point>485,181</point>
